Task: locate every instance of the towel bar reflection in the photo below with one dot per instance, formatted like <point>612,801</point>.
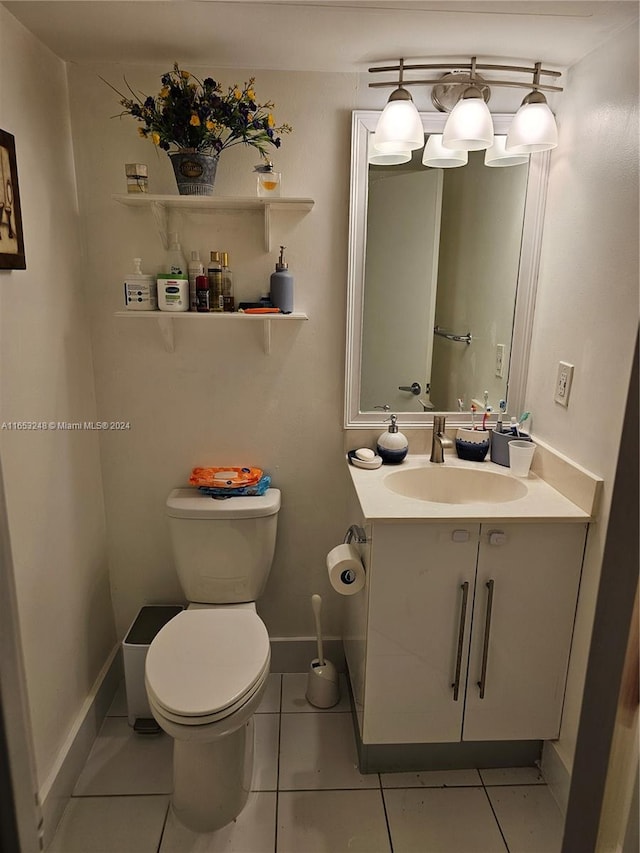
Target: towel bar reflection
<point>450,336</point>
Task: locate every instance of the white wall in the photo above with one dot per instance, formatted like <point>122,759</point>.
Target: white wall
<point>218,399</point>
<point>587,306</point>
<point>52,479</point>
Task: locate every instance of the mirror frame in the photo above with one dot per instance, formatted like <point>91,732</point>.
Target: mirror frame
<point>363,122</point>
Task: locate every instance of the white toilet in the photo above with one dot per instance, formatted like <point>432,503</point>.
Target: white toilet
<point>206,670</point>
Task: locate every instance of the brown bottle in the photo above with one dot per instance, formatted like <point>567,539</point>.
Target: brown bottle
<point>227,284</point>
<point>214,274</point>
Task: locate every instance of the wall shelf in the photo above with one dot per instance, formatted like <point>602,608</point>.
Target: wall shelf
<point>161,205</point>
<point>166,319</point>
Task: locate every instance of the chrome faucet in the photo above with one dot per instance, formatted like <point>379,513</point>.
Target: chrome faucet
<point>440,440</point>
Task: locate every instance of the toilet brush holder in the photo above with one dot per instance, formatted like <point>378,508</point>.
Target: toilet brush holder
<point>323,689</point>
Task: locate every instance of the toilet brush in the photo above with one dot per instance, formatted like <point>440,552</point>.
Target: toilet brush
<point>322,680</point>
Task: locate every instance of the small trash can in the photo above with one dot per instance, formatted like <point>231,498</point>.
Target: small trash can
<point>135,646</point>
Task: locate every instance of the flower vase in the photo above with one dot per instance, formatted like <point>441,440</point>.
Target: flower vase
<point>195,173</point>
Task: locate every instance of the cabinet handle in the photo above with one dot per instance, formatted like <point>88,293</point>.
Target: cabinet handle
<point>463,618</point>
<point>485,647</point>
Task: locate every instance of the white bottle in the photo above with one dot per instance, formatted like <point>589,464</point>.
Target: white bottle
<point>195,268</point>
<point>392,445</point>
<point>176,263</point>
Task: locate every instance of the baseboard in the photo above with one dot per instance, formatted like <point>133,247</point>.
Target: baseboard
<point>57,788</point>
<point>294,654</point>
<point>556,775</point>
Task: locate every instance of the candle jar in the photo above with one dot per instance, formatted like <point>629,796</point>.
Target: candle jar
<point>269,181</point>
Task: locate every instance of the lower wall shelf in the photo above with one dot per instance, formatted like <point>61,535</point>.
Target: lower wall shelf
<point>166,319</point>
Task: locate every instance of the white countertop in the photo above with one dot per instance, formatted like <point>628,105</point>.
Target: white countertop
<point>540,503</point>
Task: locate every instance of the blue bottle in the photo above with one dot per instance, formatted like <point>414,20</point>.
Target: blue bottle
<point>282,285</point>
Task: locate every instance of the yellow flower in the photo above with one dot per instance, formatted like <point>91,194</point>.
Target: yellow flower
<point>194,121</point>
<point>251,94</point>
<point>270,120</point>
<point>185,75</point>
<point>237,94</point>
<point>155,138</point>
<point>210,125</point>
<point>164,91</point>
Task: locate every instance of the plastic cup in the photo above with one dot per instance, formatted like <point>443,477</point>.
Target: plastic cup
<point>520,456</point>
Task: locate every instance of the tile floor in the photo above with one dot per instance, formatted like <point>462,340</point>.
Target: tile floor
<point>308,795</point>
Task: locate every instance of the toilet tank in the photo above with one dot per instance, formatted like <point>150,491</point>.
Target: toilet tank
<point>223,549</point>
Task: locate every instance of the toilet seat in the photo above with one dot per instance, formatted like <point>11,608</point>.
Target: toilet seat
<point>205,665</point>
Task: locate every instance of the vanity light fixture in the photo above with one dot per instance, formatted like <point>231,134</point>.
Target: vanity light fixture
<point>439,157</point>
<point>464,93</point>
<point>400,126</point>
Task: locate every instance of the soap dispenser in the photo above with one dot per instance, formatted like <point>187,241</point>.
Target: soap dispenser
<point>282,285</point>
<point>392,445</point>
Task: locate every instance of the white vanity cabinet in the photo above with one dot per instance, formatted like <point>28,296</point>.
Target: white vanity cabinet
<point>468,630</point>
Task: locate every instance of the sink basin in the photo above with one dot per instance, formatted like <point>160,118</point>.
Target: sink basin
<point>455,485</point>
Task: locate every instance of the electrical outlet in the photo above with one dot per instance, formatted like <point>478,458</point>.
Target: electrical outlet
<point>500,360</point>
<point>563,383</point>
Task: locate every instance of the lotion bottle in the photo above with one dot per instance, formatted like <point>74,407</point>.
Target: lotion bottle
<point>282,285</point>
<point>176,262</point>
<point>392,445</point>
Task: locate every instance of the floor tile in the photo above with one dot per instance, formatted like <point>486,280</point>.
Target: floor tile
<point>253,831</point>
<point>271,699</point>
<point>319,751</point>
<point>331,822</point>
<point>442,820</point>
<point>294,686</point>
<point>512,776</point>
<point>111,825</point>
<point>432,779</point>
<point>265,760</point>
<point>123,762</point>
<point>530,818</point>
<point>118,707</point>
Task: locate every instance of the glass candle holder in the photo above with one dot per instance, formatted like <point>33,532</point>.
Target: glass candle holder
<point>269,183</point>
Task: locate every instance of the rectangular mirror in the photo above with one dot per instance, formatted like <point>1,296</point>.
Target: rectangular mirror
<point>442,272</point>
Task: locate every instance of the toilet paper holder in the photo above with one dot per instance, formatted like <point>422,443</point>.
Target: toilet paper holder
<point>355,534</point>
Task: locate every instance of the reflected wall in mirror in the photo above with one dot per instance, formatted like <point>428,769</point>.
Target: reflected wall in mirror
<point>450,250</point>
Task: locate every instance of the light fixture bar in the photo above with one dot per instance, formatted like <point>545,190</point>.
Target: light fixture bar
<point>435,82</point>
<point>536,71</point>
<point>466,66</point>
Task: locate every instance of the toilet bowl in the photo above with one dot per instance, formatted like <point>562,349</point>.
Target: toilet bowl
<point>205,674</point>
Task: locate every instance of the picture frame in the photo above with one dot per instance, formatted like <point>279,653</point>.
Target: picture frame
<point>12,255</point>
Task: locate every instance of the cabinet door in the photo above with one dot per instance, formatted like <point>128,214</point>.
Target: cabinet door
<point>421,581</point>
<point>525,600</point>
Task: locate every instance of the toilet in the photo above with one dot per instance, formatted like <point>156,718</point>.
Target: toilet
<point>206,670</point>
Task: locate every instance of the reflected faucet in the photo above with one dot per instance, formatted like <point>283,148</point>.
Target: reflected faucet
<point>440,440</point>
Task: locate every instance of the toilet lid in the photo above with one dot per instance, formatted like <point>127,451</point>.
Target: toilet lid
<point>204,661</point>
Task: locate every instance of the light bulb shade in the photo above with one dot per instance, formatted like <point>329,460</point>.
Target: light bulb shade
<point>399,127</point>
<point>469,127</point>
<point>439,157</point>
<point>533,129</point>
<point>498,156</point>
<point>390,158</point>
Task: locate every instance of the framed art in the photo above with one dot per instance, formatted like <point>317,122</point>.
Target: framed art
<point>11,237</point>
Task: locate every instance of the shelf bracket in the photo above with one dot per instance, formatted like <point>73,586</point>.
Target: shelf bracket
<point>165,324</point>
<point>267,228</point>
<point>267,336</point>
<point>161,216</point>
